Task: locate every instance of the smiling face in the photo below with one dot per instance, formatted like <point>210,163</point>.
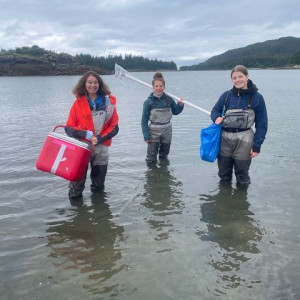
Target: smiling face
<point>239,80</point>
<point>158,87</point>
<point>92,87</point>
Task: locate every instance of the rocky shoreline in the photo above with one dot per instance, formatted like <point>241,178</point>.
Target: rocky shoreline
<point>14,65</point>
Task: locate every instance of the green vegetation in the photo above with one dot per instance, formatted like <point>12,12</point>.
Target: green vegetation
<point>129,62</point>
<point>295,59</point>
<point>280,53</point>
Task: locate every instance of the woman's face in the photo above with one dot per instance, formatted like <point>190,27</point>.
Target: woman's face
<point>158,87</point>
<point>239,80</point>
<point>92,86</point>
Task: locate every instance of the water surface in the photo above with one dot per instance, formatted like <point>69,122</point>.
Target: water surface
<point>167,232</point>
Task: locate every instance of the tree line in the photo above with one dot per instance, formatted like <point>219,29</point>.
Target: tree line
<point>129,61</point>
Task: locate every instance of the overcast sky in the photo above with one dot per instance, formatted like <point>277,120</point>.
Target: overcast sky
<point>186,32</point>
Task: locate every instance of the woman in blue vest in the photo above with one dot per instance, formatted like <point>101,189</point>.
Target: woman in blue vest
<point>238,109</point>
<point>156,120</point>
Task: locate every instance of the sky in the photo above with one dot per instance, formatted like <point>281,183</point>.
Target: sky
<point>186,32</point>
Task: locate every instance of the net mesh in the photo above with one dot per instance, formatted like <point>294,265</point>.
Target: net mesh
<point>120,72</point>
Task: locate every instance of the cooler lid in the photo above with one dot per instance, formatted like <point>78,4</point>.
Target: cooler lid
<point>71,140</point>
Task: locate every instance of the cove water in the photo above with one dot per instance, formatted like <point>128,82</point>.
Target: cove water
<point>167,232</point>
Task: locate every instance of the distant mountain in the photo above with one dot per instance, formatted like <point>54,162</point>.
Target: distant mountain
<point>281,53</point>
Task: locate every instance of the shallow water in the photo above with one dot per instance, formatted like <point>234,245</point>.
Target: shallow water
<point>166,232</point>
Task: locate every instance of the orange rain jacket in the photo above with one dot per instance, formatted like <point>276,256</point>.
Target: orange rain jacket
<point>80,117</point>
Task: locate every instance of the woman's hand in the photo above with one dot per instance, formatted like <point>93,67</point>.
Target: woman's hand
<point>253,154</point>
<point>94,140</point>
<point>180,101</point>
<point>148,141</point>
<point>218,120</point>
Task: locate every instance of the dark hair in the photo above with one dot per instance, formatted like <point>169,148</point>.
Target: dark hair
<point>158,76</point>
<point>239,68</point>
<point>80,90</point>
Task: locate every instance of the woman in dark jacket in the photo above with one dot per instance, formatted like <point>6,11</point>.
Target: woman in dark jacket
<point>237,110</point>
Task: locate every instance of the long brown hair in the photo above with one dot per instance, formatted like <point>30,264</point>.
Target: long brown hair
<point>80,90</point>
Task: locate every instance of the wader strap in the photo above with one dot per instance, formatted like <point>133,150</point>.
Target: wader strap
<point>168,102</point>
<point>250,101</point>
<point>226,103</point>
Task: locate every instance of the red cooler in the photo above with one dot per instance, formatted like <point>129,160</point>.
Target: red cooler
<point>64,156</point>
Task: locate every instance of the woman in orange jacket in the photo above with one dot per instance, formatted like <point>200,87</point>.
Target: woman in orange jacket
<point>93,117</point>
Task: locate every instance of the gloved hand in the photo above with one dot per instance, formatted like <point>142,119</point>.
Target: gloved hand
<point>89,134</point>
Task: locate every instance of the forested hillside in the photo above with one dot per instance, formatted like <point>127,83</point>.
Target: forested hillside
<point>38,61</point>
<point>280,53</point>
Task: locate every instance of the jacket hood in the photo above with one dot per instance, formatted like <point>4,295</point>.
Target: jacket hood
<point>251,89</point>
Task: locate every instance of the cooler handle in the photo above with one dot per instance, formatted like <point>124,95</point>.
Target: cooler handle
<point>58,126</point>
<point>63,126</point>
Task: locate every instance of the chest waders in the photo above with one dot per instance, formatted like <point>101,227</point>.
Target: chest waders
<point>99,158</point>
<point>160,128</point>
<point>236,143</point>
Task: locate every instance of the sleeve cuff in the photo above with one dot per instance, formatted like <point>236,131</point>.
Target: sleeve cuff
<point>100,139</point>
<point>256,149</point>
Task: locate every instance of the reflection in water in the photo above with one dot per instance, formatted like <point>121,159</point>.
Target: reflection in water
<point>162,194</point>
<point>88,241</point>
<point>232,226</point>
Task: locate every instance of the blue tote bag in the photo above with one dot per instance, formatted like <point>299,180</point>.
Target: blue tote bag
<point>210,142</point>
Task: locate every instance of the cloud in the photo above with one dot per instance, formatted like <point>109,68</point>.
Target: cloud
<point>186,32</point>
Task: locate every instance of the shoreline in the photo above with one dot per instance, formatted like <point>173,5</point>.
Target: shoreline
<point>35,74</point>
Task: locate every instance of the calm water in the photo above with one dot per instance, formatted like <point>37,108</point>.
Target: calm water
<point>169,232</point>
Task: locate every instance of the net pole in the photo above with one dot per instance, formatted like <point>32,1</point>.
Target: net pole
<point>120,72</point>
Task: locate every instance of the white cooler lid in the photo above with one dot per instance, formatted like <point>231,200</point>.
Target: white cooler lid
<point>71,140</point>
